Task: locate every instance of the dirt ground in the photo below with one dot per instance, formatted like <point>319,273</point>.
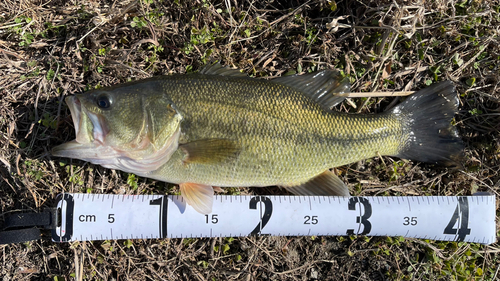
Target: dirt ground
<point>51,49</point>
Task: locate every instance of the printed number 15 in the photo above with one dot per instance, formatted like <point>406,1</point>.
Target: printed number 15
<point>214,219</point>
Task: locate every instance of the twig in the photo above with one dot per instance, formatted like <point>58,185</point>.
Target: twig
<point>463,66</point>
<point>298,268</point>
<point>380,94</point>
<point>289,14</point>
<point>271,24</point>
<point>103,21</point>
<point>126,66</point>
<point>10,25</point>
<point>78,263</point>
<point>12,54</point>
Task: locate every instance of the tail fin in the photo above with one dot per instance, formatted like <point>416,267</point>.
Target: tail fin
<point>431,136</point>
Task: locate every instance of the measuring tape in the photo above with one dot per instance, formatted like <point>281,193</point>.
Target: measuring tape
<point>88,217</point>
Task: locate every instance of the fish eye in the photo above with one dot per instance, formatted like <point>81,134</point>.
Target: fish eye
<point>103,101</point>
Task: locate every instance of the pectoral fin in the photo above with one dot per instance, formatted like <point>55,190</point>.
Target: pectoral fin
<point>198,196</point>
<point>326,184</point>
<point>210,150</point>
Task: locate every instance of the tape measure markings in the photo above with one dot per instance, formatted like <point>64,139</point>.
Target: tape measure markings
<point>84,216</point>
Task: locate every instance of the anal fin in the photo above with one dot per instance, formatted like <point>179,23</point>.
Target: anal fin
<point>198,196</point>
<point>325,184</point>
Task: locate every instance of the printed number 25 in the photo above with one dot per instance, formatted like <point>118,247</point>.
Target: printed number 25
<point>311,219</point>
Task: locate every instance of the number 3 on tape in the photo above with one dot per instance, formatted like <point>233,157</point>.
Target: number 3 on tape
<point>362,219</point>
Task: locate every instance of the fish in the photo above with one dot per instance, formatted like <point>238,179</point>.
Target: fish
<point>220,128</point>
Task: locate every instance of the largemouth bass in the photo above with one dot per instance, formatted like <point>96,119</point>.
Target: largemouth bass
<point>221,128</point>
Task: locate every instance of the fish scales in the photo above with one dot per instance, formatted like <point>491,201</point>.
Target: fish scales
<point>220,128</point>
<point>286,138</point>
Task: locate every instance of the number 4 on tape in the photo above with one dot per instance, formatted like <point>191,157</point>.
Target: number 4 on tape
<point>460,218</point>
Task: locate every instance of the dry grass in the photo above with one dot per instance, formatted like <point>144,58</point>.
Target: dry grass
<point>50,49</point>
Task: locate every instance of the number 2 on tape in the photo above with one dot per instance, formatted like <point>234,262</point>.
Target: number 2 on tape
<point>264,217</point>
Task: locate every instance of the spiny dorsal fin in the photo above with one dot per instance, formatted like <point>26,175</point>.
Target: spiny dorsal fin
<point>210,150</point>
<point>326,184</point>
<point>326,87</point>
<point>218,69</point>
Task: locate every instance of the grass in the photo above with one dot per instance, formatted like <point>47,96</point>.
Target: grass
<point>51,50</point>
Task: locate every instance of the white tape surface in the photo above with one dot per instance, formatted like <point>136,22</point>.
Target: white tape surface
<point>87,217</point>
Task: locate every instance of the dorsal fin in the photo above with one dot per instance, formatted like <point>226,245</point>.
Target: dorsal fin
<point>326,87</point>
<point>218,69</point>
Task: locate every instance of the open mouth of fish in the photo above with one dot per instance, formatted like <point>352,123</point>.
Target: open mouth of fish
<point>99,128</point>
<point>91,131</point>
<point>90,144</point>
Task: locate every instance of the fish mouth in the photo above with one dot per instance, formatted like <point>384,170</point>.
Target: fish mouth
<point>90,129</point>
<point>91,144</point>
<point>81,117</point>
<point>75,107</point>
